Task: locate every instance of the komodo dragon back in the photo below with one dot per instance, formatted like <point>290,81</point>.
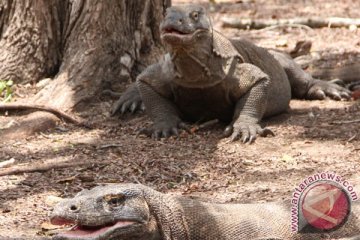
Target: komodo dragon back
<point>134,211</point>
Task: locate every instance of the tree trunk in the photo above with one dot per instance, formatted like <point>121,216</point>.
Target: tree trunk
<point>30,39</point>
<point>83,44</point>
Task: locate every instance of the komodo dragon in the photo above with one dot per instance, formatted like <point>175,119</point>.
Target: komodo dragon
<point>134,211</point>
<point>205,76</point>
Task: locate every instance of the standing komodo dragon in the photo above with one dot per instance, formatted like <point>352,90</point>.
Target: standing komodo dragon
<point>205,76</point>
<point>134,211</point>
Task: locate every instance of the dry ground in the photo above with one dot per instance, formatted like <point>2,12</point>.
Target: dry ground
<point>308,139</point>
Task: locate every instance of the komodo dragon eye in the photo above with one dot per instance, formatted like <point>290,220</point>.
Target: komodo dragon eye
<point>195,15</point>
<point>114,200</point>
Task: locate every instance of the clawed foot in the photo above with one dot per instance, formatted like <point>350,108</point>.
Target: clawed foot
<point>164,130</point>
<point>321,89</point>
<point>126,104</point>
<point>247,131</point>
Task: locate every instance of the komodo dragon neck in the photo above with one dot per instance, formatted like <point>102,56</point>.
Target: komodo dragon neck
<point>203,64</point>
<point>192,65</point>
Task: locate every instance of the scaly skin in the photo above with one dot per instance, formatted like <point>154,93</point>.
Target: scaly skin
<point>137,212</point>
<point>206,76</point>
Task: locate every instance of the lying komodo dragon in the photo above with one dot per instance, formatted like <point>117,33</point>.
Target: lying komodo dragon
<point>205,76</point>
<point>133,211</point>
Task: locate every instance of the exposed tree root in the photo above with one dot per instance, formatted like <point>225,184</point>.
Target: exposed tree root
<point>29,125</point>
<point>35,122</point>
<point>42,167</point>
<point>62,115</point>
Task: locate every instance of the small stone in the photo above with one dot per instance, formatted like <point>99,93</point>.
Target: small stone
<point>6,210</point>
<point>353,28</point>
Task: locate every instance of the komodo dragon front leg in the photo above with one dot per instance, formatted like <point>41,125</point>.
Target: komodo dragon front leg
<point>155,90</point>
<point>162,112</point>
<point>249,84</point>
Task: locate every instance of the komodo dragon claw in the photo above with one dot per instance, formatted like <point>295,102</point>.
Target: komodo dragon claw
<point>247,132</point>
<point>123,105</point>
<point>130,101</point>
<point>321,90</point>
<point>163,130</point>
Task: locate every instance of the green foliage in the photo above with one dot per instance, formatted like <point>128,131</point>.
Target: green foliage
<point>5,90</point>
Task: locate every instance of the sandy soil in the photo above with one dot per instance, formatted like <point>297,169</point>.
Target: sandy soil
<point>311,137</point>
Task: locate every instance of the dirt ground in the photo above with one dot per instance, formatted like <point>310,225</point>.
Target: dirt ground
<point>313,136</point>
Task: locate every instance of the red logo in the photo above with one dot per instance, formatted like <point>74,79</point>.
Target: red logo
<point>325,206</point>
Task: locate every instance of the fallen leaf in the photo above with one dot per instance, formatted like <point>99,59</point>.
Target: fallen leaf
<point>287,158</point>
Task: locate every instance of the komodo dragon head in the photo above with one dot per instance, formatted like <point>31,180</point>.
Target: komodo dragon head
<point>185,26</point>
<point>106,212</point>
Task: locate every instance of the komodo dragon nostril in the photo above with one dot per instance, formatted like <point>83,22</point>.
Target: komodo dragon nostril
<point>74,208</point>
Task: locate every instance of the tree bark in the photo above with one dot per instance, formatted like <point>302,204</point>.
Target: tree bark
<point>102,42</point>
<point>30,39</point>
<point>84,45</point>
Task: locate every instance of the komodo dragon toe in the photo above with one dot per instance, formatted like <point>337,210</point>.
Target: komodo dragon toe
<point>246,131</point>
<point>130,101</point>
<point>321,89</point>
<point>164,129</point>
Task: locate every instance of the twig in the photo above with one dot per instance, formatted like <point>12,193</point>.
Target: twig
<point>352,138</point>
<point>208,124</point>
<point>314,22</point>
<point>42,167</point>
<point>111,93</point>
<point>7,163</point>
<point>346,122</point>
<point>285,25</point>
<point>204,125</point>
<point>56,112</point>
<point>111,145</point>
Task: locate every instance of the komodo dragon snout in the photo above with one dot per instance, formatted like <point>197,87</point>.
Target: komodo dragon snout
<point>101,213</point>
<point>182,26</point>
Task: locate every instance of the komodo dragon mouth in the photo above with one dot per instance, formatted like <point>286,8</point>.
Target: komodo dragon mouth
<point>77,230</point>
<point>171,30</point>
<point>175,36</point>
